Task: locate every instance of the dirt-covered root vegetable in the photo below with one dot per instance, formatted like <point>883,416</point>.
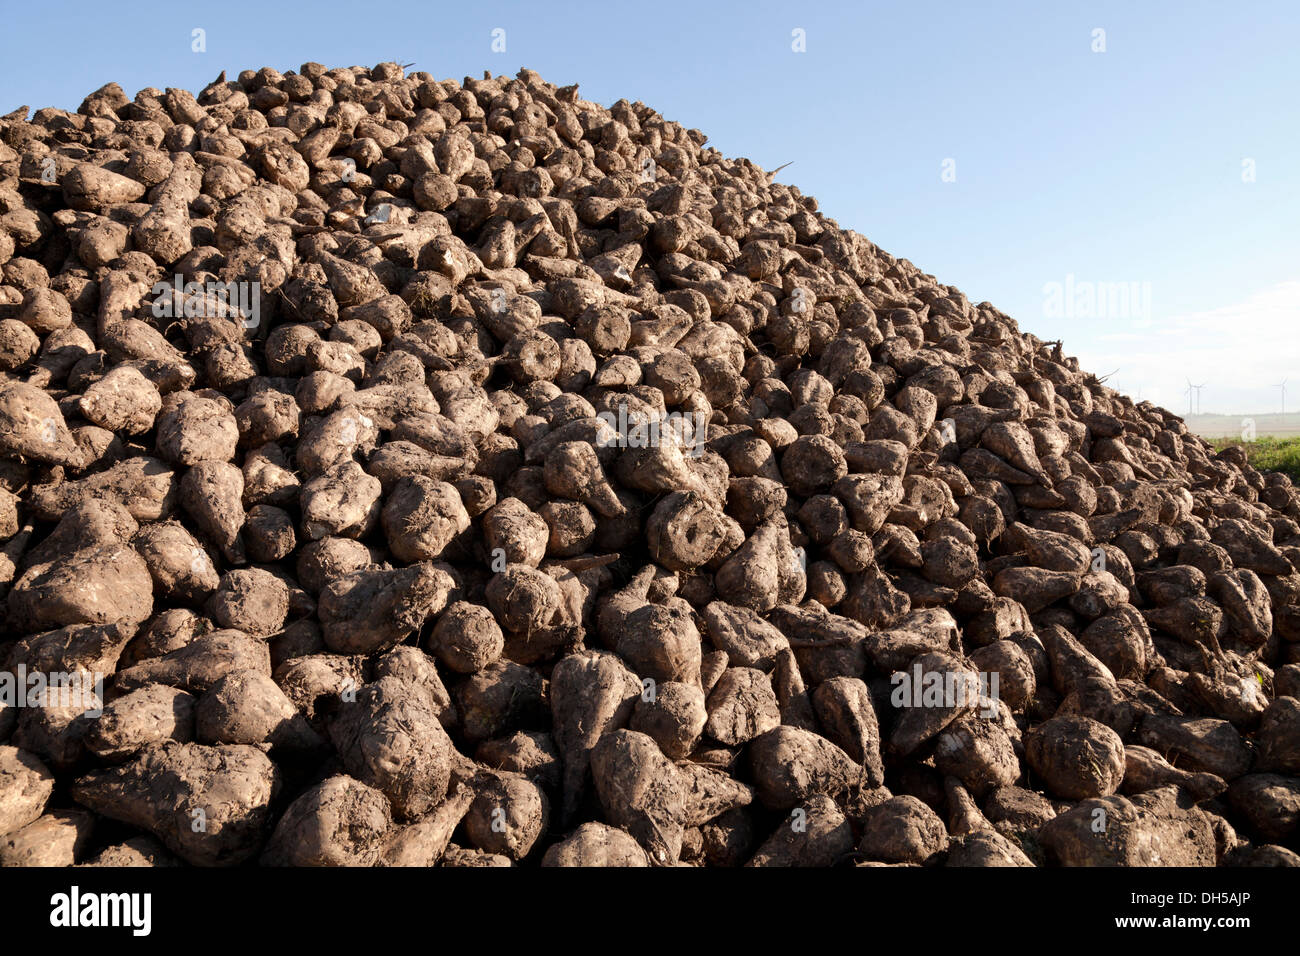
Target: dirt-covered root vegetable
<point>977,750</point>
<point>87,524</point>
<point>964,814</point>
<point>845,709</point>
<point>45,311</point>
<point>571,528</point>
<point>792,693</point>
<point>343,501</point>
<point>869,499</point>
<point>90,648</point>
<point>466,638</point>
<point>531,356</point>
<point>661,642</point>
<point>181,569</point>
<point>1269,803</point>
<point>123,400</point>
<point>412,665</point>
<point>1159,828</point>
<point>250,600</point>
<point>198,664</point>
<point>812,464</point>
<point>1278,737</point>
<point>1072,665</point>
<point>685,531</point>
<point>90,187</point>
<point>985,848</point>
<point>389,737</point>
<point>790,764</point>
<point>459,856</point>
<point>145,486</point>
<point>269,534</point>
<point>268,479</point>
<point>268,416</point>
<point>660,465</point>
<point>1076,757</point>
<point>513,532</point>
<point>763,572</point>
<point>902,830</point>
<point>529,752</point>
<point>167,631</point>
<point>138,851</point>
<point>612,615</point>
<point>502,697</point>
<point>423,843</point>
<point>710,793</point>
<point>55,839</point>
<point>673,714</point>
<point>1246,854</point>
<point>729,840</point>
<point>1197,744</point>
<point>573,470</point>
<point>338,822</point>
<point>32,427</point>
<point>642,792</point>
<point>192,429</point>
<point>368,611</point>
<point>25,788</point>
<point>523,599</point>
<point>18,344</point>
<point>98,585</point>
<point>248,707</point>
<point>314,682</point>
<point>592,694</point>
<point>212,493</point>
<point>51,721</point>
<point>814,834</point>
<point>320,562</point>
<point>421,517</point>
<point>1035,588</point>
<point>747,638</point>
<point>1014,671</point>
<point>1145,769</point>
<point>150,715</point>
<point>741,706</point>
<point>934,691</point>
<point>508,816</point>
<point>596,845</point>
<point>209,805</point>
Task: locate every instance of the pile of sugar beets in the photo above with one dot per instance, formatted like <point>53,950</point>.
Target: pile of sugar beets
<point>418,473</point>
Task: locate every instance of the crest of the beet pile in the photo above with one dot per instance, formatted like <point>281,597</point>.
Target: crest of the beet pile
<point>469,474</point>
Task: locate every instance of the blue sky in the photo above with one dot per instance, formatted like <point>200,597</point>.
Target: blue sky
<point>1168,165</point>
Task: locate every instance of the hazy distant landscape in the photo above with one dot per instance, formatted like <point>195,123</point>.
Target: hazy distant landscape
<point>1275,425</point>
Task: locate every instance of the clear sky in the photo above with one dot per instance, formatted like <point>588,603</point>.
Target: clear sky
<point>1005,147</point>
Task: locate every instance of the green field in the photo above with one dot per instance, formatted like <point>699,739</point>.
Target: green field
<point>1272,441</point>
<point>1269,454</point>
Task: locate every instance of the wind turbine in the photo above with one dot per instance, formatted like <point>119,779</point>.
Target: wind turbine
<point>1198,395</point>
<point>1282,386</point>
<point>1189,398</point>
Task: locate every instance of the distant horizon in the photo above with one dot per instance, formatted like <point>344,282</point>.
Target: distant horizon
<point>1235,414</point>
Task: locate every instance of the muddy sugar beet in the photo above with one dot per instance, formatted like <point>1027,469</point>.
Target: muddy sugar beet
<point>467,474</point>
